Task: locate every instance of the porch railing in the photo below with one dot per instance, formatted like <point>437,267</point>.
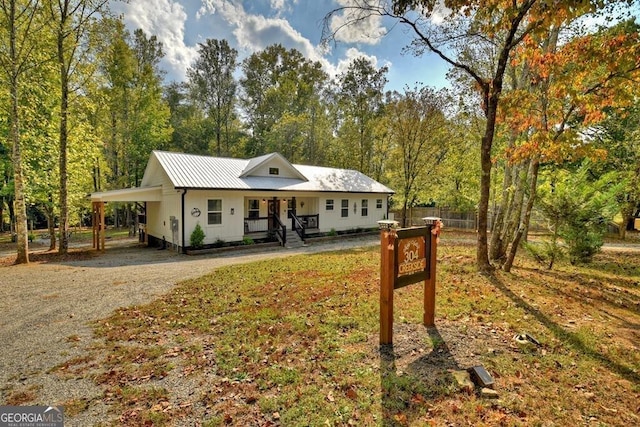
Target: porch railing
<point>256,225</point>
<point>280,229</point>
<point>310,222</point>
<point>261,224</point>
<point>297,225</point>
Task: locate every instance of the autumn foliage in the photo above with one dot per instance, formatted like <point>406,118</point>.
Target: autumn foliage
<point>569,86</point>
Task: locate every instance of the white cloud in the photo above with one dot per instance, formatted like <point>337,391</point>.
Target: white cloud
<point>167,19</point>
<point>255,32</point>
<point>352,54</point>
<point>440,13</point>
<point>353,25</point>
<point>207,8</point>
<point>164,19</point>
<point>278,5</point>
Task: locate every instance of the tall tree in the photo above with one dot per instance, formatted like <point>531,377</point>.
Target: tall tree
<point>150,121</point>
<point>71,20</point>
<point>619,133</point>
<point>279,83</point>
<point>213,85</point>
<point>135,117</point>
<point>501,25</point>
<point>115,91</point>
<point>417,131</point>
<point>360,101</point>
<point>19,39</point>
<point>569,89</point>
<point>187,120</point>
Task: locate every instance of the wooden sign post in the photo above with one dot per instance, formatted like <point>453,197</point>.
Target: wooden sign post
<point>407,256</point>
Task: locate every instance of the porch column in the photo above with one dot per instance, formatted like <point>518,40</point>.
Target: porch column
<point>98,226</point>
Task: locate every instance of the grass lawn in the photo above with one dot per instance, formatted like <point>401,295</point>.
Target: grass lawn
<point>295,342</point>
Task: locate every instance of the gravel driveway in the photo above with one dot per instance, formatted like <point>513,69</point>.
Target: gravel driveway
<point>46,309</point>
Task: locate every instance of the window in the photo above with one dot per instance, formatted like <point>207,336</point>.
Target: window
<point>365,207</point>
<point>214,211</point>
<point>329,205</point>
<point>345,208</point>
<point>254,208</point>
<point>274,171</point>
<point>378,203</point>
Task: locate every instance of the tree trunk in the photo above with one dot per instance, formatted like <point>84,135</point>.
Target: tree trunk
<point>22,237</point>
<point>404,213</point>
<point>19,198</point>
<point>64,137</point>
<point>482,253</point>
<point>524,224</point>
<point>515,212</point>
<point>51,225</point>
<point>496,251</point>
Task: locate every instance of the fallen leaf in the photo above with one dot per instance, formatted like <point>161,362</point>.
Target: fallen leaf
<point>401,418</point>
<point>352,394</point>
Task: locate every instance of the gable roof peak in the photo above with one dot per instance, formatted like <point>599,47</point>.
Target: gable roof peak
<point>272,158</point>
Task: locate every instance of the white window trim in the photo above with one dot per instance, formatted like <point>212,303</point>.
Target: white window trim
<point>220,211</point>
<point>344,208</point>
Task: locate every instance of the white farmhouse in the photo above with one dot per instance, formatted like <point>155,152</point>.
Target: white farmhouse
<point>233,199</point>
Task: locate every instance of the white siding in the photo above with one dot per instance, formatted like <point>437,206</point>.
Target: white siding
<point>159,213</point>
<point>232,227</point>
<point>332,219</point>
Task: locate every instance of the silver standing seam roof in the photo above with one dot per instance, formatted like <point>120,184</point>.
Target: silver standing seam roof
<point>205,172</point>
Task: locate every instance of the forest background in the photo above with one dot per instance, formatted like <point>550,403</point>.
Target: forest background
<point>542,112</point>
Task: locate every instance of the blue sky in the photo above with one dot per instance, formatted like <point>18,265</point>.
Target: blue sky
<point>252,25</point>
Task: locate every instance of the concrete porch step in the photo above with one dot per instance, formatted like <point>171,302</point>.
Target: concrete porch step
<point>293,240</point>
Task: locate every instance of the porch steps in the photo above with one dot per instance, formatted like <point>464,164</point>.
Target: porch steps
<point>293,240</point>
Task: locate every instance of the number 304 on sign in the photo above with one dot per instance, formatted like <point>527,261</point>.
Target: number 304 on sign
<point>412,254</point>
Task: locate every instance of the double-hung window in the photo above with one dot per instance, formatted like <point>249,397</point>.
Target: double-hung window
<point>214,211</point>
<point>254,208</point>
<point>345,208</point>
<point>365,207</point>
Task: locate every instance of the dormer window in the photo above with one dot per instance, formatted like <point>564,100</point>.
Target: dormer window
<point>274,171</point>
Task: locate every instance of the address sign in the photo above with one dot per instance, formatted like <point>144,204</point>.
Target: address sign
<point>412,256</point>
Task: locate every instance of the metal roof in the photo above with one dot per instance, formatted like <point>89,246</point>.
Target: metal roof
<point>205,172</point>
<point>148,194</point>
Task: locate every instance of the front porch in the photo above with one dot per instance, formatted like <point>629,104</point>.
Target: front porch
<point>276,216</point>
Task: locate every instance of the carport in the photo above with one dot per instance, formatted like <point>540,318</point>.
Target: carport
<point>126,195</point>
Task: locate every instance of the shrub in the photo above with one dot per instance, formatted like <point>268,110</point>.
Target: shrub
<point>197,237</point>
<point>247,241</point>
<point>332,232</point>
<point>583,243</point>
<point>546,252</point>
<point>578,210</point>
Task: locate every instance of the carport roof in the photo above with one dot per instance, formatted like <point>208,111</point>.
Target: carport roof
<point>140,194</point>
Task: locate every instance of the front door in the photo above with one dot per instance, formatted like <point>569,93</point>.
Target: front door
<point>274,210</point>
